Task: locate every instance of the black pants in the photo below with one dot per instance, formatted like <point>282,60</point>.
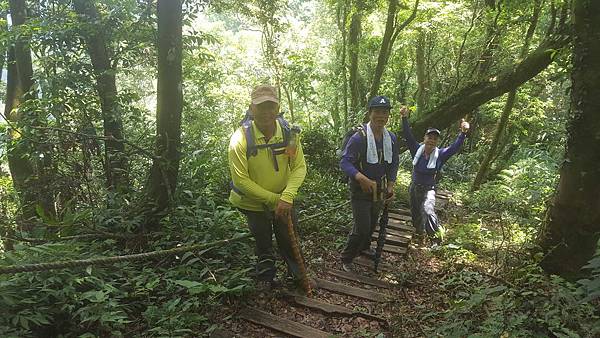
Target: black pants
<point>262,225</point>
<point>422,208</point>
<point>366,215</point>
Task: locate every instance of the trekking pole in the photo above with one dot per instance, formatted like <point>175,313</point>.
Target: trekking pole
<point>298,257</point>
<point>383,221</point>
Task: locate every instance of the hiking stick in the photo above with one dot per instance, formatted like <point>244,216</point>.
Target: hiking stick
<point>295,243</point>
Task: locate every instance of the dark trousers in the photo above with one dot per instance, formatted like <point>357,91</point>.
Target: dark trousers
<point>365,214</point>
<point>262,225</point>
<point>422,208</point>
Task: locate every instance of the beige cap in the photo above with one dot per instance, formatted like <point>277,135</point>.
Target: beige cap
<point>264,93</point>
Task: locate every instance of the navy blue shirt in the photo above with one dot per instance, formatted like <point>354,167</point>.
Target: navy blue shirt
<point>421,174</point>
<point>354,153</point>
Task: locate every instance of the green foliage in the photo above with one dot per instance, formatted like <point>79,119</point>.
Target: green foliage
<point>590,287</point>
<point>535,306</point>
<point>468,236</point>
<point>521,190</point>
<point>320,150</point>
<point>163,299</point>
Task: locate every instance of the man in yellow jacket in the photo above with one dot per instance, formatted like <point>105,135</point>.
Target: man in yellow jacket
<point>267,167</point>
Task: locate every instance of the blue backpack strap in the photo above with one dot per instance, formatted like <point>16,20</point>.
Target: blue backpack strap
<point>285,128</point>
<point>362,155</point>
<point>234,188</point>
<point>247,117</point>
<point>251,148</point>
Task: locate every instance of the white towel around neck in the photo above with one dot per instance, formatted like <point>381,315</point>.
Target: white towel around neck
<point>372,156</point>
<point>432,157</point>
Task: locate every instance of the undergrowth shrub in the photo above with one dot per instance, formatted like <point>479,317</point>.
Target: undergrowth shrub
<point>532,305</point>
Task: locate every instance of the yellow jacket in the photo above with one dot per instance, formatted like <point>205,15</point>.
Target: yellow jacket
<point>255,176</point>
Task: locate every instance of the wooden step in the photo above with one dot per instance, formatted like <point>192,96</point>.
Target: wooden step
<point>359,278</point>
<point>400,217</point>
<point>391,239</point>
<point>400,233</point>
<point>394,249</point>
<point>401,211</point>
<point>286,326</point>
<point>366,262</point>
<point>331,309</point>
<point>351,291</point>
<point>399,225</point>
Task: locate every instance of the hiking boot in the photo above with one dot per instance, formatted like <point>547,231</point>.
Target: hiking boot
<point>419,239</point>
<point>268,285</point>
<point>276,283</point>
<point>263,285</point>
<point>370,253</point>
<point>348,267</point>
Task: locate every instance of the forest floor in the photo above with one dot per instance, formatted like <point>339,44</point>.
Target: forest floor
<point>416,295</point>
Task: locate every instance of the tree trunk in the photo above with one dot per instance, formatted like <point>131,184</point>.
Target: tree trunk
<point>342,19</point>
<point>165,167</point>
<point>500,127</point>
<point>21,169</point>
<point>471,97</point>
<point>573,219</point>
<point>353,51</point>
<point>3,44</point>
<point>290,100</point>
<point>474,17</point>
<point>481,69</point>
<point>508,106</point>
<point>421,77</point>
<point>392,29</point>
<point>22,53</point>
<point>31,173</point>
<point>385,46</point>
<point>115,160</point>
<point>503,157</point>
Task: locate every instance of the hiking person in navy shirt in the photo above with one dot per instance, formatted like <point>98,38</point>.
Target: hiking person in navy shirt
<point>370,160</point>
<point>428,159</point>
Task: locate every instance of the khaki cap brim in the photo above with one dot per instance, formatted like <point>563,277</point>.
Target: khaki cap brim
<point>265,98</point>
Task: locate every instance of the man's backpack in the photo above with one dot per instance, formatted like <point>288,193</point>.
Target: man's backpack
<point>277,148</point>
<point>362,129</point>
<point>362,155</point>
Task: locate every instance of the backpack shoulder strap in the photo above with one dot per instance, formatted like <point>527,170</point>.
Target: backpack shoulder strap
<point>251,149</point>
<point>362,155</point>
<point>392,136</point>
<point>285,129</point>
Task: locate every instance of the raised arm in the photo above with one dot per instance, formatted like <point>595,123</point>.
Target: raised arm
<point>454,147</point>
<point>411,142</point>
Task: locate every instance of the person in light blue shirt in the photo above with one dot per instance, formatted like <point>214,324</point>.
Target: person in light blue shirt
<point>428,159</point>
